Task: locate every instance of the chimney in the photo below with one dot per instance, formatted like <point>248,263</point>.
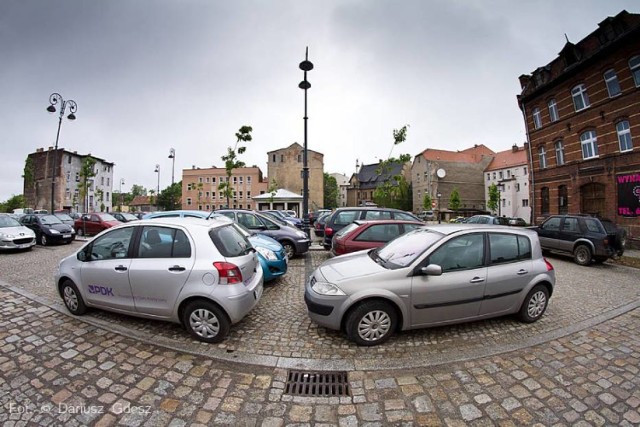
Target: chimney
<point>514,148</point>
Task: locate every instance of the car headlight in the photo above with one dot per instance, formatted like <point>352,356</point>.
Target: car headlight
<point>301,234</point>
<point>73,230</point>
<point>5,236</point>
<point>52,231</point>
<point>324,288</point>
<point>267,254</point>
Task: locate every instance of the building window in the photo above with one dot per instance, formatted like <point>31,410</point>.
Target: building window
<point>102,180</point>
<point>299,158</point>
<point>634,65</point>
<point>517,186</point>
<point>537,119</point>
<point>281,158</point>
<point>525,170</point>
<point>69,159</point>
<point>235,180</point>
<point>544,195</point>
<point>107,196</point>
<point>273,158</point>
<point>589,145</point>
<point>562,200</point>
<point>624,136</point>
<point>500,175</point>
<point>188,201</point>
<point>559,153</point>
<point>213,179</point>
<point>494,175</point>
<point>580,97</point>
<point>543,158</point>
<point>189,187</point>
<point>611,79</point>
<point>199,179</point>
<point>240,178</point>
<point>240,195</point>
<point>248,194</point>
<point>213,194</point>
<point>525,203</point>
<point>248,180</point>
<point>77,177</point>
<point>207,179</point>
<point>553,110</point>
<point>488,177</point>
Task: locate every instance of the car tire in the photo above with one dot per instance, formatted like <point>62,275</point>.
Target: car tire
<point>371,323</point>
<point>43,239</point>
<point>205,321</point>
<point>80,232</point>
<point>289,249</point>
<point>72,298</point>
<point>535,304</point>
<point>582,255</point>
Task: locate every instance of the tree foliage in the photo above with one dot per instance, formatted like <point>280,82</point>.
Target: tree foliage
<point>494,198</point>
<point>454,200</point>
<point>14,202</point>
<point>232,162</point>
<point>87,171</point>
<point>426,202</point>
<point>395,191</point>
<point>331,192</point>
<point>169,198</point>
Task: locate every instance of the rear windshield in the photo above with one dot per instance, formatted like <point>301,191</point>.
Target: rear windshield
<point>348,229</point>
<point>229,241</point>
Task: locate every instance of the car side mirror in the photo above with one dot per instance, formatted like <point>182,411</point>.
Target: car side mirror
<point>82,256</point>
<point>431,270</point>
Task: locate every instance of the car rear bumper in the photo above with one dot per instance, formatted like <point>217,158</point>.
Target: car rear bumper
<point>238,300</point>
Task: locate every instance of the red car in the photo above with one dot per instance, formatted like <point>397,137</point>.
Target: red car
<point>361,235</point>
<point>94,223</point>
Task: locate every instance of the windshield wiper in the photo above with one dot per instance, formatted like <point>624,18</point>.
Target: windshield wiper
<point>376,258</point>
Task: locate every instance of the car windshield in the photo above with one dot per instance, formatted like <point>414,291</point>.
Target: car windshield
<point>50,219</point>
<point>107,217</point>
<point>64,217</point>
<point>402,251</point>
<point>129,216</point>
<point>273,219</point>
<point>243,230</point>
<point>348,229</point>
<point>7,221</point>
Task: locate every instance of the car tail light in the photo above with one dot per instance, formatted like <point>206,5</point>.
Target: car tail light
<point>605,242</point>
<point>549,266</point>
<point>328,231</point>
<point>229,273</point>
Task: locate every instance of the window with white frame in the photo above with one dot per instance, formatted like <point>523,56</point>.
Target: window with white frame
<point>543,157</point>
<point>188,201</point>
<point>559,153</point>
<point>611,80</point>
<point>248,180</point>
<point>189,187</point>
<point>248,194</point>
<point>488,177</point>
<point>240,179</point>
<point>634,65</point>
<point>589,144</point>
<point>235,179</point>
<point>624,136</point>
<point>580,97</point>
<point>525,203</point>
<point>213,179</point>
<point>537,118</point>
<point>553,110</point>
<point>199,179</point>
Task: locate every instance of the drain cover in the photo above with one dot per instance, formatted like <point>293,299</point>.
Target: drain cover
<point>304,383</point>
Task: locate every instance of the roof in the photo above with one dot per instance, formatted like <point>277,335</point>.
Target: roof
<point>296,146</point>
<point>508,159</point>
<point>473,154</point>
<point>140,201</point>
<point>371,176</point>
<point>280,193</point>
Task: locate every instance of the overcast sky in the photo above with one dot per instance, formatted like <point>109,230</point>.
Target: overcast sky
<point>149,75</point>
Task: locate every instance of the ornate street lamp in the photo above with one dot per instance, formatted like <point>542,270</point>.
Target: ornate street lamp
<point>55,98</point>
<point>158,192</point>
<point>172,156</point>
<point>305,66</point>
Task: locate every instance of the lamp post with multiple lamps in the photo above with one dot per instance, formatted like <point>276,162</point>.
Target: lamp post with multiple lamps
<point>305,66</point>
<point>158,191</point>
<point>54,99</point>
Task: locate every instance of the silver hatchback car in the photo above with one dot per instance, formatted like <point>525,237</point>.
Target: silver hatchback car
<point>202,274</point>
<point>432,276</point>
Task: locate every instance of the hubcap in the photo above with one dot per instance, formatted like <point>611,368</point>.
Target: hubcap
<point>537,303</point>
<point>70,298</point>
<point>374,325</point>
<point>582,255</point>
<point>204,323</point>
<point>289,250</point>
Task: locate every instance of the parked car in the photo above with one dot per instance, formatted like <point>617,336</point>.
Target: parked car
<point>318,226</point>
<point>458,220</point>
<point>427,216</point>
<point>48,228</point>
<point>296,222</point>
<point>345,216</point>
<point>487,219</point>
<point>360,235</point>
<point>433,276</point>
<point>271,254</point>
<point>517,222</point>
<point>619,244</point>
<point>201,274</point>
<point>294,241</point>
<point>313,216</point>
<point>291,213</point>
<point>65,218</point>
<point>14,235</point>
<point>585,237</point>
<point>94,223</point>
<point>124,216</point>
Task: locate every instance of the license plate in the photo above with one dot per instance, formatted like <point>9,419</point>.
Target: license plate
<point>26,245</point>
<point>66,236</point>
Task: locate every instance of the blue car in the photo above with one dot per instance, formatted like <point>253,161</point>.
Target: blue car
<point>271,254</point>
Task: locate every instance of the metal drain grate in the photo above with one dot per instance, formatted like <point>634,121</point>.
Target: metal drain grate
<point>302,383</point>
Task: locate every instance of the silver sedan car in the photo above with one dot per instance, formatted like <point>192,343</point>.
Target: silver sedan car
<point>432,276</point>
<point>202,274</point>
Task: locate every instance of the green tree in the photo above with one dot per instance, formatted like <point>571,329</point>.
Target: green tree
<point>494,198</point>
<point>87,171</point>
<point>426,202</point>
<point>231,161</point>
<point>14,202</point>
<point>170,197</point>
<point>100,198</point>
<point>200,187</point>
<point>395,191</point>
<point>454,200</point>
<point>152,199</point>
<point>331,192</point>
<point>29,175</point>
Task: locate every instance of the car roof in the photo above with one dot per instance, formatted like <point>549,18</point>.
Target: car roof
<point>452,228</point>
<point>387,221</point>
<point>186,222</point>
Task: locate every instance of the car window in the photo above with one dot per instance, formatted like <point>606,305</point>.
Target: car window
<point>377,215</point>
<point>411,227</point>
<point>114,244</point>
<point>593,225</point>
<point>346,217</point>
<point>379,233</point>
<point>460,253</point>
<point>401,252</point>
<point>270,222</point>
<point>570,224</point>
<point>50,220</point>
<point>229,241</point>
<point>106,217</point>
<point>228,215</point>
<point>249,220</point>
<point>347,229</point>
<point>163,242</point>
<point>7,221</point>
<point>502,220</point>
<point>552,224</point>
<point>94,218</point>
<point>188,215</point>
<point>509,248</point>
<point>407,217</point>
<point>171,215</point>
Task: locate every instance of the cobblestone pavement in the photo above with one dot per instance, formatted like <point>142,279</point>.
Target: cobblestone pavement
<point>59,370</point>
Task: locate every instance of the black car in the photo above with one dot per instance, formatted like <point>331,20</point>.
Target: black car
<point>49,228</point>
<point>583,236</point>
<point>342,217</point>
<point>124,216</point>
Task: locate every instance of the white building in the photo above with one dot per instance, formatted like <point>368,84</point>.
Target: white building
<point>509,170</point>
<point>343,184</point>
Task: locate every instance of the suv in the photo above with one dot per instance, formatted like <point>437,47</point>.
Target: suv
<point>583,236</point>
<point>344,216</point>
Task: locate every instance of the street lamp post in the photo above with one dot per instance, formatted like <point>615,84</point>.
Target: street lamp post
<point>500,190</point>
<point>55,98</point>
<point>121,198</point>
<point>172,156</point>
<point>158,191</point>
<point>439,210</point>
<point>305,66</point>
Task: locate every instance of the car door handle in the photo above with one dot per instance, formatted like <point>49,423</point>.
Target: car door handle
<point>177,268</point>
<point>521,272</point>
<point>121,268</point>
<point>476,280</point>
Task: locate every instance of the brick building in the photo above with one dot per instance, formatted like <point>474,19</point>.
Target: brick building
<point>582,114</point>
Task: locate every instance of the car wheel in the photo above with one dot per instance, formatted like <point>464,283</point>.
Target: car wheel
<point>43,239</point>
<point>535,304</point>
<point>80,232</point>
<point>371,323</point>
<point>72,298</point>
<point>582,255</point>
<point>205,321</point>
<point>289,249</point>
